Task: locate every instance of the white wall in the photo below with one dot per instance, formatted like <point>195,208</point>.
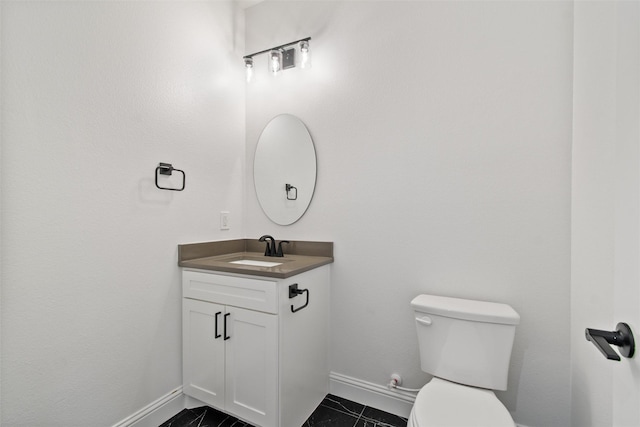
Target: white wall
<point>605,208</point>
<point>1,139</point>
<point>443,135</point>
<point>94,96</point>
<point>626,375</point>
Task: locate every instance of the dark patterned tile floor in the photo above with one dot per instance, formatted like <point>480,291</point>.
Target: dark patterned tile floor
<point>333,411</point>
<point>203,417</point>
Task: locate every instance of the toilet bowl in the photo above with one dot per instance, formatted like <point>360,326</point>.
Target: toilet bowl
<point>466,346</point>
<point>445,404</point>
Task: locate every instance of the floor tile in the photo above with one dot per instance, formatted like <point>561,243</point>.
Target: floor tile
<point>181,419</point>
<point>324,416</point>
<point>373,417</point>
<point>343,405</point>
<point>213,418</point>
<point>363,422</point>
<point>334,411</point>
<point>203,417</point>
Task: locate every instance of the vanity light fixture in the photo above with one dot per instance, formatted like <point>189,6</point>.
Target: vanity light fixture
<point>281,57</point>
<point>305,54</point>
<point>248,65</point>
<point>275,61</point>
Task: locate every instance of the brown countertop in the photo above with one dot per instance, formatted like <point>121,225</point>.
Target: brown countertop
<point>300,256</point>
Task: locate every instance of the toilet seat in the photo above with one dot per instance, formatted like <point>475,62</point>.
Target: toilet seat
<point>442,403</point>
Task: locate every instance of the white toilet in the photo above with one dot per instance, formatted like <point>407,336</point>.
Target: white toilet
<point>466,346</point>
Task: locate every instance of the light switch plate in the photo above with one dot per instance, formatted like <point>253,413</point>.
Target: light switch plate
<point>224,220</point>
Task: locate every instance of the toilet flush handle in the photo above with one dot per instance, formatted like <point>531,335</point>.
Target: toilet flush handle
<point>426,321</point>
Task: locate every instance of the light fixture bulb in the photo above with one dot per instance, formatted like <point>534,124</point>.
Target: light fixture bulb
<point>305,54</point>
<point>275,61</point>
<point>248,65</point>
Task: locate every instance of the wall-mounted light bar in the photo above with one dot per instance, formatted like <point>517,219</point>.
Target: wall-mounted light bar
<point>281,57</point>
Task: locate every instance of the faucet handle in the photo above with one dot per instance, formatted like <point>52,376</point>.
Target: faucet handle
<point>280,253</point>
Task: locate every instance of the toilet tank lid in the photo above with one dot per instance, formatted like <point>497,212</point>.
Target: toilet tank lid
<point>457,308</point>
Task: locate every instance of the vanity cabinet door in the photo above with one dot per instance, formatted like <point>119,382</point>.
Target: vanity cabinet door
<point>203,351</point>
<point>252,366</point>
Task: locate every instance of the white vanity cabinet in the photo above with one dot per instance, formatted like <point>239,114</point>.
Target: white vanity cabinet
<point>246,353</point>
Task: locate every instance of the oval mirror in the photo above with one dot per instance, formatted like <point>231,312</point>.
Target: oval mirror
<point>284,169</point>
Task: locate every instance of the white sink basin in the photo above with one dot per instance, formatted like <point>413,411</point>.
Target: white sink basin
<point>255,263</point>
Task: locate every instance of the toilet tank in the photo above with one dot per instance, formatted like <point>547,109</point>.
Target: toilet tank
<point>465,341</point>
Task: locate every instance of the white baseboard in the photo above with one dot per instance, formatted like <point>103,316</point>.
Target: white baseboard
<point>375,395</point>
<point>156,412</point>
